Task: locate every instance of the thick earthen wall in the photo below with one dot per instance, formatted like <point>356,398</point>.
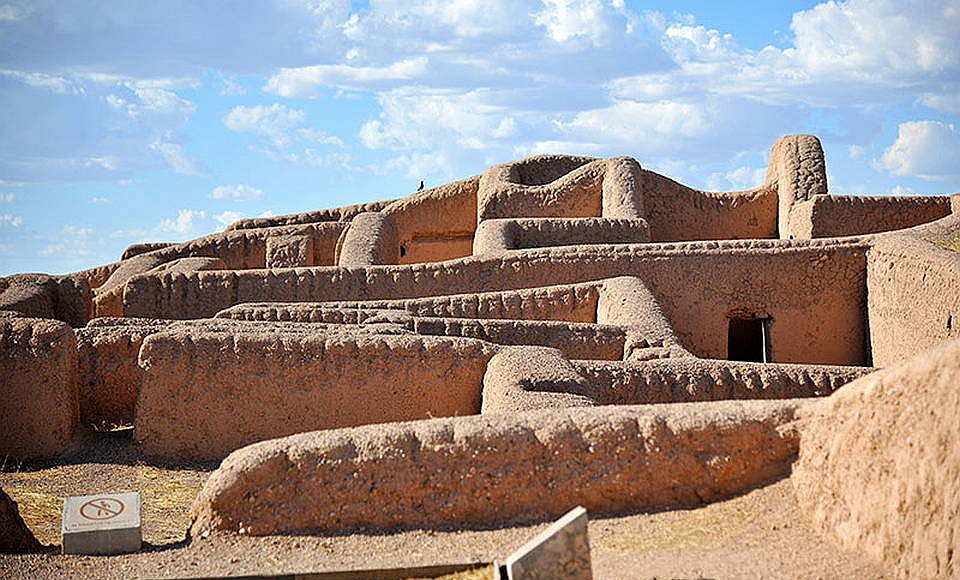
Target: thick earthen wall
<point>207,392</point>
<point>498,468</point>
<point>682,380</point>
<point>38,379</point>
<point>914,297</point>
<point>825,216</point>
<point>676,212</point>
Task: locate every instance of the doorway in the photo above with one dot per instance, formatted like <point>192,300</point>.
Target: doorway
<point>748,339</point>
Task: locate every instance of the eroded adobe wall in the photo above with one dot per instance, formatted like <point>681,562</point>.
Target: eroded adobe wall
<point>814,291</point>
<point>676,212</point>
<point>108,374</point>
<point>558,186</point>
<point>498,468</point>
<point>879,465</point>
<point>209,390</point>
<point>914,297</point>
<point>814,296</point>
<point>689,379</point>
<point>339,214</point>
<point>436,224</point>
<point>38,379</point>
<point>66,298</point>
<point>825,216</point>
<point>500,235</point>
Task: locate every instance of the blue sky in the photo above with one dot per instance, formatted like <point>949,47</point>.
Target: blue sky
<point>127,121</point>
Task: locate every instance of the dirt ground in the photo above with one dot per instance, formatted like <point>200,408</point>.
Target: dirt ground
<point>760,534</point>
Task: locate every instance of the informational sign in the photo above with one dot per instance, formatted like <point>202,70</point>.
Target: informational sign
<point>101,524</point>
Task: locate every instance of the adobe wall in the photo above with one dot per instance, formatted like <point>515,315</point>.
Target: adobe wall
<point>689,379</point>
<point>815,299</point>
<point>38,379</point>
<point>238,249</point>
<point>208,391</point>
<point>676,212</point>
<point>66,298</point>
<point>824,216</point>
<point>797,169</point>
<point>557,186</point>
<point>626,301</point>
<point>498,468</point>
<point>338,214</point>
<point>789,279</point>
<point>108,374</point>
<point>499,235</point>
<point>524,378</point>
<point>574,339</point>
<point>571,303</point>
<point>880,464</point>
<point>372,238</point>
<point>914,299</point>
<point>436,224</point>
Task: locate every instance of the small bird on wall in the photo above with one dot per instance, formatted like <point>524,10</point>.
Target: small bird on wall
<point>421,186</point>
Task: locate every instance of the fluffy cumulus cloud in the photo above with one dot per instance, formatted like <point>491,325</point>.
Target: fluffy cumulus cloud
<point>273,122</point>
<point>926,149</point>
<point>240,192</point>
<point>13,221</point>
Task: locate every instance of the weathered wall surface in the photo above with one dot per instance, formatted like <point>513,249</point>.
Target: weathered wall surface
<point>208,391</point>
<point>879,466</point>
<point>815,298</point>
<point>65,298</point>
<point>676,212</point>
<point>497,468</point>
<point>798,171</point>
<point>914,297</point>
<point>436,224</point>
<point>38,379</point>
<point>339,214</point>
<point>108,373</point>
<point>816,287</point>
<point>575,339</point>
<point>500,235</point>
<point>524,378</point>
<point>371,239</point>
<point>689,379</point>
<point>824,216</point>
<point>558,186</point>
<point>573,303</point>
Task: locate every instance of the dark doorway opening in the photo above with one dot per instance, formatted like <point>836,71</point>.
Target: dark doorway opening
<point>748,339</point>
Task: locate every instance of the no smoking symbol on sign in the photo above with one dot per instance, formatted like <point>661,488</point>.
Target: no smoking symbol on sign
<point>102,508</point>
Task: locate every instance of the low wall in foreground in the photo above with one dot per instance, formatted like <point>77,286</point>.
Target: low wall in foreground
<point>498,468</point>
<point>825,216</point>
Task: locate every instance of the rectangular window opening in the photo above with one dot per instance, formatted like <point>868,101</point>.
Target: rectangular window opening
<point>748,339</point>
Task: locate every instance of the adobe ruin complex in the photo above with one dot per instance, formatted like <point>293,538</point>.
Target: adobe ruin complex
<point>557,331</point>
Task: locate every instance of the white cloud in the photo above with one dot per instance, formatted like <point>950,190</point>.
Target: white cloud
<point>949,103</point>
<point>110,163</point>
<point>228,217</point>
<point>309,81</point>
<point>52,83</point>
<point>11,13</point>
<point>741,178</point>
<point>6,197</point>
<point>99,200</point>
<point>926,149</point>
<point>273,122</point>
<point>152,101</point>
<point>184,223</point>
<point>176,158</point>
<point>856,151</point>
<point>317,136</point>
<point>238,192</point>
<point>632,121</point>
<point>901,190</point>
<point>231,88</point>
<point>11,220</point>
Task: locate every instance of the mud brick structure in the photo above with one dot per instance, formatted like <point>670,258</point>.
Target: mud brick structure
<point>557,331</point>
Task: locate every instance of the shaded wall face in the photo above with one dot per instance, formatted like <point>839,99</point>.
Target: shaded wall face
<point>814,299</point>
<point>825,216</point>
<point>914,298</point>
<point>419,249</point>
<point>676,212</point>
